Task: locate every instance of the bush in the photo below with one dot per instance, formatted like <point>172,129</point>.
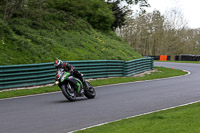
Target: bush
<point>5,30</point>
<point>96,12</point>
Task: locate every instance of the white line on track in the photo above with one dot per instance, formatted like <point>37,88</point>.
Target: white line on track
<point>135,116</point>
<point>188,73</point>
<point>142,113</point>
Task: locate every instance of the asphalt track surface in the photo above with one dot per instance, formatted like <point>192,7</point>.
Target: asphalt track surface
<point>52,113</point>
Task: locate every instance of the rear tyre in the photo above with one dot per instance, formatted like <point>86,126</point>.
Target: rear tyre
<point>69,92</point>
<point>90,92</point>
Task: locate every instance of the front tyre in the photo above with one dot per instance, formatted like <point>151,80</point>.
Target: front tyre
<point>90,91</point>
<point>68,92</point>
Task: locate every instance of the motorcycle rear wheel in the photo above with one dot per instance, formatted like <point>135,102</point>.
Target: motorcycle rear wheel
<point>69,92</point>
<point>90,93</point>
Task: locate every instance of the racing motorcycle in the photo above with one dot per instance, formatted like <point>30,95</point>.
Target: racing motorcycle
<point>72,87</point>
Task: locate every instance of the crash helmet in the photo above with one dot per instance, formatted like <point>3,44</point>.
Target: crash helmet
<point>58,64</point>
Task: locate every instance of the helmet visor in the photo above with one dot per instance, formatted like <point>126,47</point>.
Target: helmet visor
<point>58,64</point>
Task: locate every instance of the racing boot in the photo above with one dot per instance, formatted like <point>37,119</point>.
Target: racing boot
<point>82,92</point>
<point>85,85</point>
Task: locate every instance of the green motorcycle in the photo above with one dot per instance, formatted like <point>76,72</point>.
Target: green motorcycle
<point>72,87</point>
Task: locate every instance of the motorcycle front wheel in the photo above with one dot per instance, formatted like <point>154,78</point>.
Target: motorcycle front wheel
<point>68,92</point>
<point>90,91</point>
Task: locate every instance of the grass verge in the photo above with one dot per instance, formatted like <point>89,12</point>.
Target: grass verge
<point>183,119</point>
<point>161,73</point>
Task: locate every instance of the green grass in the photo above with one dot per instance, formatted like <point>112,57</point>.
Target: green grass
<point>178,120</point>
<point>25,92</point>
<point>27,41</point>
<point>161,73</point>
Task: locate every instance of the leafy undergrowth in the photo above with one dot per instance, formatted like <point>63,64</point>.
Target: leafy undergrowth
<point>58,35</point>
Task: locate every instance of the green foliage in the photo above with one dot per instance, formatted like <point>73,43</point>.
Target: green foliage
<point>36,35</point>
<point>96,12</point>
<point>120,11</point>
<point>31,41</point>
<point>119,14</point>
<point>5,30</point>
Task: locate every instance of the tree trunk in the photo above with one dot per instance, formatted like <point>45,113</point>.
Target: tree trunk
<point>5,10</point>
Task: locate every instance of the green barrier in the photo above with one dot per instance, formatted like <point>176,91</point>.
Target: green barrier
<point>12,76</point>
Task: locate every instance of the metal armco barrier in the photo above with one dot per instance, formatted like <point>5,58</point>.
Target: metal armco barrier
<point>12,76</point>
<point>138,66</point>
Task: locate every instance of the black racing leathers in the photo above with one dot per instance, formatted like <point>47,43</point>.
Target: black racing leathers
<point>69,68</point>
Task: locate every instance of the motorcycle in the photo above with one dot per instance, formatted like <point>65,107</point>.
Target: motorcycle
<point>72,87</point>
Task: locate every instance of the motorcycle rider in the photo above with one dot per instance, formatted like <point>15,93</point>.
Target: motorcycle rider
<point>69,68</point>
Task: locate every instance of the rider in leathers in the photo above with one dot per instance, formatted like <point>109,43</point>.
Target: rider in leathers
<point>69,68</point>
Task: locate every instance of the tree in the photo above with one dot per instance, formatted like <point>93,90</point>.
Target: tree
<point>119,14</point>
<point>175,18</point>
<point>145,32</point>
<point>155,34</point>
<point>120,11</point>
<point>97,12</point>
<point>130,2</point>
<point>10,6</point>
<point>13,7</point>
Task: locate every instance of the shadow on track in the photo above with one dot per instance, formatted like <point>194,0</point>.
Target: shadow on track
<point>66,101</point>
